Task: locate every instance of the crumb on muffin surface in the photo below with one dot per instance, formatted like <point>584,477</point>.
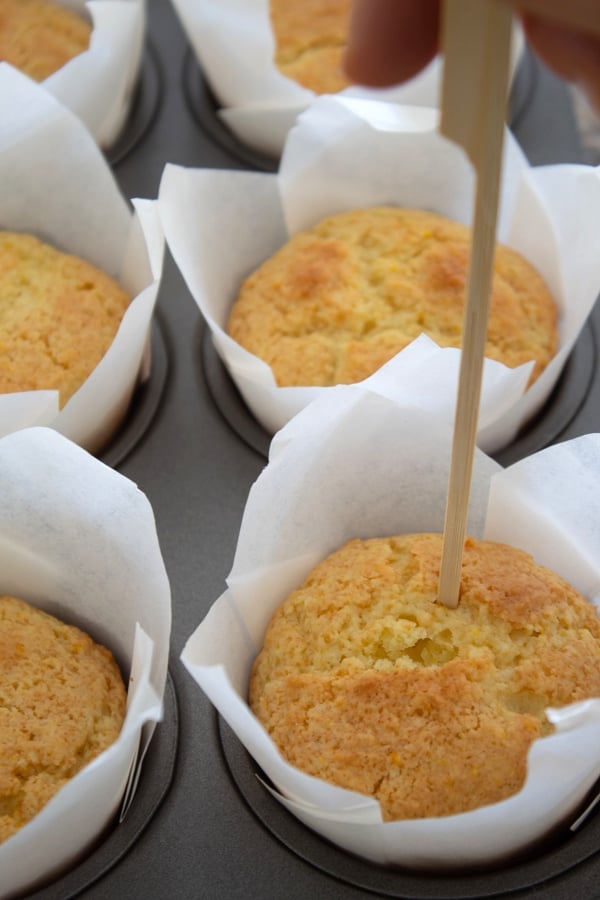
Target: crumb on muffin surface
<point>366,681</point>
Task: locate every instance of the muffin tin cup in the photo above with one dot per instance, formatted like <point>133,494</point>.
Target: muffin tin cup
<point>145,106</point>
<point>393,480</point>
<point>145,401</point>
<point>236,47</point>
<point>98,84</point>
<point>79,542</point>
<point>120,836</point>
<point>59,187</point>
<point>350,155</point>
<point>561,852</point>
<point>205,108</point>
<point>559,411</point>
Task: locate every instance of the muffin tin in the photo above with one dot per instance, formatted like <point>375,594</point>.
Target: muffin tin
<point>201,825</point>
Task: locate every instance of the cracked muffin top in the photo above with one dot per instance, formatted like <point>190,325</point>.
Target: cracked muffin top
<point>365,681</point>
<point>335,303</point>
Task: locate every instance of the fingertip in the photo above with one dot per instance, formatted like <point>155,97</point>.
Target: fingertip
<point>390,41</point>
<point>572,55</point>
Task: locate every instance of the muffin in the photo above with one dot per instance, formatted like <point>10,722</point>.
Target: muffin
<point>58,316</point>
<point>365,681</point>
<point>39,37</point>
<point>62,702</point>
<point>336,302</point>
<point>310,39</point>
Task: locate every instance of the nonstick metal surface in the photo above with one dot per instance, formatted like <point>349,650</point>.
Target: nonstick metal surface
<point>201,826</point>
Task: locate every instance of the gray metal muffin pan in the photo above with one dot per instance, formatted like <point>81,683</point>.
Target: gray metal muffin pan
<point>201,825</point>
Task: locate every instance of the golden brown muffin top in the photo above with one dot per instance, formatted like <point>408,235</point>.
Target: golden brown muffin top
<point>336,302</point>
<point>310,38</point>
<point>58,316</point>
<point>366,681</point>
<point>39,37</point>
<point>62,702</point>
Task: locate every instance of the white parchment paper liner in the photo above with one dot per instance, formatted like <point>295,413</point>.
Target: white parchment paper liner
<point>98,84</point>
<point>345,154</point>
<point>57,185</point>
<point>233,42</point>
<point>79,540</point>
<point>355,463</point>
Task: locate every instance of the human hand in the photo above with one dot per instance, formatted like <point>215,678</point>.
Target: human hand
<point>390,41</point>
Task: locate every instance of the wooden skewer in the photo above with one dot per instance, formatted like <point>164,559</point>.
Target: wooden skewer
<point>476,41</point>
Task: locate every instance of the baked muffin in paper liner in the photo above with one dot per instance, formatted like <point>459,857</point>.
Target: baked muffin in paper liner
<point>98,83</point>
<point>79,541</point>
<point>357,464</point>
<point>57,186</point>
<point>348,154</point>
<point>234,42</point>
